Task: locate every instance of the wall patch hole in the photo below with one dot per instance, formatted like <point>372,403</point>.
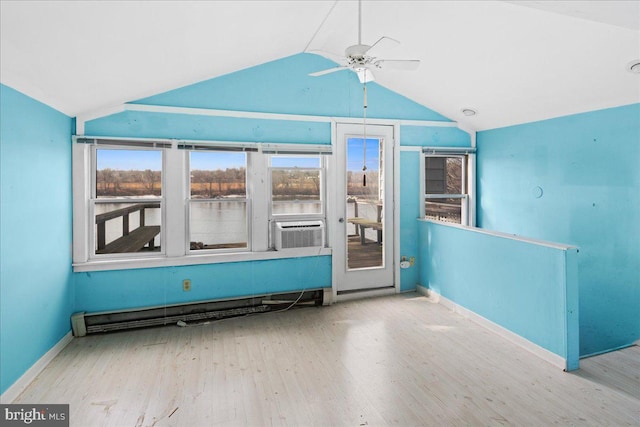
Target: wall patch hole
<point>537,192</point>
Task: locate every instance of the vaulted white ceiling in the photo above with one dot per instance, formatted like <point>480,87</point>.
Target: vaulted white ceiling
<point>512,61</point>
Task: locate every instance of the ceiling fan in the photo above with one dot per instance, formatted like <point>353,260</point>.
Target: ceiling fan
<point>364,59</point>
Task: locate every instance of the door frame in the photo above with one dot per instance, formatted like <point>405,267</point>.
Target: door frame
<point>334,207</point>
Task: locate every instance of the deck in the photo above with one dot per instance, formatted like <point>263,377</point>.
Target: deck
<point>364,255</point>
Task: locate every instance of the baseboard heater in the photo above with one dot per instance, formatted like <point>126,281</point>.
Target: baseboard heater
<point>90,323</point>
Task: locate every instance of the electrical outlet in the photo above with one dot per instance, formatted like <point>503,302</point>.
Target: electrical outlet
<point>412,261</point>
<point>186,285</point>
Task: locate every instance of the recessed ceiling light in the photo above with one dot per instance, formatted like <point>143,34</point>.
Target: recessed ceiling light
<point>469,112</point>
<point>634,66</point>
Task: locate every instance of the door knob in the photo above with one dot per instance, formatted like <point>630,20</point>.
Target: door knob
<point>341,220</point>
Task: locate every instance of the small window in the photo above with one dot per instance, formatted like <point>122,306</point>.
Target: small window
<point>446,188</point>
<point>127,201</point>
<point>218,201</point>
<point>296,185</point>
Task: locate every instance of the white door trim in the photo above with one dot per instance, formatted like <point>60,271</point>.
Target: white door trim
<point>333,211</point>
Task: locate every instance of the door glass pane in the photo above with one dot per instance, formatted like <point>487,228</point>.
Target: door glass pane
<point>365,203</point>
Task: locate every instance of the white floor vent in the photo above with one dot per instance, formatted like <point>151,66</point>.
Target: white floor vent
<point>299,234</point>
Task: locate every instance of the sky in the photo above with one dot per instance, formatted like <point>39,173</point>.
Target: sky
<point>212,160</point>
<point>355,154</point>
<point>129,159</point>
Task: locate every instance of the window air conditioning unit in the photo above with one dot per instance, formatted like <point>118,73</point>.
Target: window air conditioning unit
<point>299,234</point>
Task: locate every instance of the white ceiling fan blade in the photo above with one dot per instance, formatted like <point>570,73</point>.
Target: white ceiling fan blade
<point>382,45</point>
<point>398,64</point>
<point>328,71</point>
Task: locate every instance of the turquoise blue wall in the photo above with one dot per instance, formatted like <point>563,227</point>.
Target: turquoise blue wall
<point>121,289</point>
<point>281,86</point>
<point>35,231</point>
<point>409,211</point>
<point>588,167</point>
<point>181,126</point>
<point>433,136</point>
<point>527,288</point>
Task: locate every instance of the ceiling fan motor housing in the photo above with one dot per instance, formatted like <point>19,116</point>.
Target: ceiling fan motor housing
<point>357,51</point>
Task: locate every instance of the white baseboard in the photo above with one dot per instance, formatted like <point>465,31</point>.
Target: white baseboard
<point>366,293</point>
<point>541,352</point>
<point>23,382</point>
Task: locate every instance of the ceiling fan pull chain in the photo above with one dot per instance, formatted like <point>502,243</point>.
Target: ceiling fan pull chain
<point>364,122</point>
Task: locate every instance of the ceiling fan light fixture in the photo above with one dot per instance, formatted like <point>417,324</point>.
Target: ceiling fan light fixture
<point>469,112</point>
<point>634,66</point>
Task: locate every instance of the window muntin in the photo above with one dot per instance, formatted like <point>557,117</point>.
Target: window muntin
<point>126,204</point>
<point>218,218</point>
<point>296,185</point>
<point>446,197</point>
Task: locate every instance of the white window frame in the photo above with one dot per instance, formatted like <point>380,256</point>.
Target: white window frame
<point>466,154</point>
<point>175,201</point>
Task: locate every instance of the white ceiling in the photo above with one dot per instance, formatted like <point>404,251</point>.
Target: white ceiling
<point>512,61</point>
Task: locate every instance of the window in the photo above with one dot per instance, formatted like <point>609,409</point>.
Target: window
<point>446,195</point>
<point>127,201</point>
<point>296,185</point>
<point>142,202</point>
<point>218,201</point>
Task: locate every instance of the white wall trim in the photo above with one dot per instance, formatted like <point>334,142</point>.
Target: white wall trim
<point>23,382</point>
<point>516,339</point>
<point>96,114</point>
<point>196,259</point>
<point>83,118</point>
<point>554,245</point>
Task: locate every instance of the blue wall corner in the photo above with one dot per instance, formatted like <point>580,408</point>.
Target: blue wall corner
<point>409,211</point>
<point>36,296</point>
<point>572,293</point>
<point>575,179</point>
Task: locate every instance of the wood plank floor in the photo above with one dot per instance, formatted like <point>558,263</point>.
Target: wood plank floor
<point>399,360</point>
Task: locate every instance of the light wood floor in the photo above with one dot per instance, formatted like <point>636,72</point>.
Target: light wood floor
<point>398,360</point>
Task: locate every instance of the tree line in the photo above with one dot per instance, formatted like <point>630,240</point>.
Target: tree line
<point>114,182</point>
<point>208,184</point>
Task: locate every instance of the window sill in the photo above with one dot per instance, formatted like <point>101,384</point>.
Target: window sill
<point>195,259</point>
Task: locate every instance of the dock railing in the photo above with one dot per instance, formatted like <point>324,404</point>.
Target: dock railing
<point>131,240</point>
